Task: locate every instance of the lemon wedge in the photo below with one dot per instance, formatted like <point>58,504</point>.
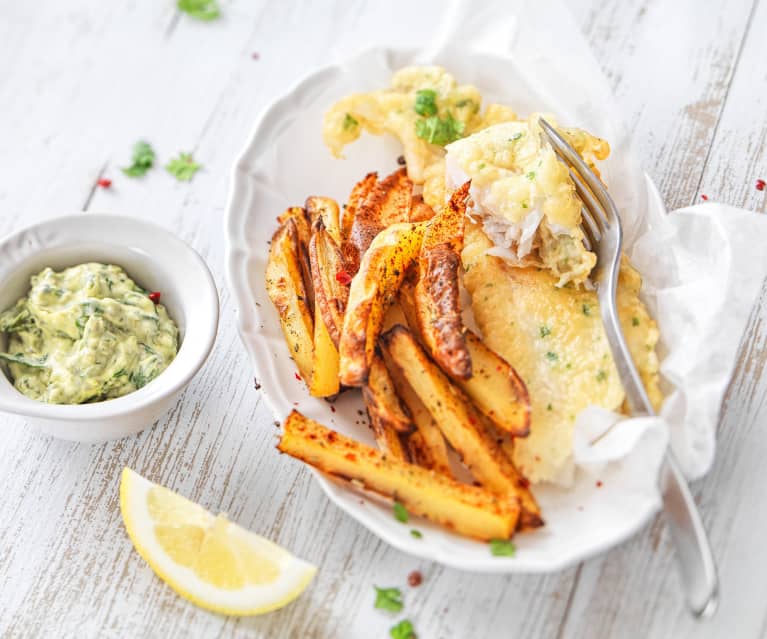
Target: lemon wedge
<point>205,558</point>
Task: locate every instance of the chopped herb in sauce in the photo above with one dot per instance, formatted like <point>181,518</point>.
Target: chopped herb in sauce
<point>552,357</point>
<point>545,330</point>
<point>635,321</point>
<point>416,533</point>
<point>586,309</point>
<point>601,376</point>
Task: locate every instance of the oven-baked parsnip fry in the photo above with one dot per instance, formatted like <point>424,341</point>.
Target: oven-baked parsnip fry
<point>356,198</point>
<point>302,221</point>
<point>387,203</point>
<point>431,446</point>
<point>530,513</point>
<point>372,291</point>
<point>419,210</point>
<point>468,510</point>
<point>304,229</point>
<point>455,417</point>
<point>324,382</point>
<point>419,452</point>
<point>326,263</point>
<point>325,209</point>
<point>380,394</point>
<point>437,292</point>
<point>285,286</point>
<point>496,389</point>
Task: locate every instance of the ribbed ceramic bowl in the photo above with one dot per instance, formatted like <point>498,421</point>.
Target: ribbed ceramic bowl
<point>155,259</point>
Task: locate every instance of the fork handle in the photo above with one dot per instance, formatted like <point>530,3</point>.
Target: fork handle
<point>696,562</point>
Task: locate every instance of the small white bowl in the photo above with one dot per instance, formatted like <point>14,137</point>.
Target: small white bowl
<point>156,260</point>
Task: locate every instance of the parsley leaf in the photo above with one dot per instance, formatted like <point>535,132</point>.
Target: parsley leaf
<point>416,533</point>
<point>20,358</point>
<point>183,167</point>
<point>601,376</point>
<point>545,330</point>
<point>426,102</point>
<point>349,122</point>
<point>439,132</point>
<point>402,630</point>
<point>586,309</point>
<point>206,10</point>
<point>142,160</point>
<point>552,357</point>
<point>635,321</point>
<point>400,514</point>
<point>502,547</point>
<point>388,599</point>
<point>530,175</point>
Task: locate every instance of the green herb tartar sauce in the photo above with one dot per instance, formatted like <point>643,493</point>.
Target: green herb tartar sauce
<point>86,334</point>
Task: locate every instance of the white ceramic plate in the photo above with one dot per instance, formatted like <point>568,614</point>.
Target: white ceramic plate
<point>283,162</point>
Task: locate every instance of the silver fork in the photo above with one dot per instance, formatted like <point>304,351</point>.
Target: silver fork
<point>602,228</point>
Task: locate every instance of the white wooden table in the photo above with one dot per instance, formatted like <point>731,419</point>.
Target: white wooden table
<point>81,80</point>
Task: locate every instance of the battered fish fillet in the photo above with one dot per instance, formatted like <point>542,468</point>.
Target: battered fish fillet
<point>555,340</point>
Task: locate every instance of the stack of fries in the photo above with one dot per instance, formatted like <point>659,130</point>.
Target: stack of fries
<point>369,297</point>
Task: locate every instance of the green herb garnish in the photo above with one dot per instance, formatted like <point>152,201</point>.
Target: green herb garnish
<point>400,513</point>
<point>601,376</point>
<point>206,10</point>
<point>515,137</point>
<point>530,175</point>
<point>586,309</point>
<point>20,358</point>
<point>388,599</point>
<point>635,321</point>
<point>552,357</point>
<point>502,547</point>
<point>183,167</point>
<point>426,102</point>
<point>439,132</point>
<point>349,122</point>
<point>416,533</point>
<point>545,330</point>
<point>142,160</point>
<point>402,630</point>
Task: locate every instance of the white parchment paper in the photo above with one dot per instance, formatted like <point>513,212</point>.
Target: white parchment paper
<point>702,267</point>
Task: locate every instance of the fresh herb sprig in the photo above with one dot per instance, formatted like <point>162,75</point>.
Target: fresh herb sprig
<point>142,160</point>
<point>205,10</point>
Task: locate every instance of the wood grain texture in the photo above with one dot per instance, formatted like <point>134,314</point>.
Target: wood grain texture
<point>82,80</point>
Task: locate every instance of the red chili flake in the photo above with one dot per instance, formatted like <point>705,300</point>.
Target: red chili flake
<point>599,483</point>
<point>524,482</point>
<point>704,197</point>
<point>344,278</point>
<point>760,184</point>
<point>332,409</point>
<point>104,183</point>
<point>155,297</point>
<point>415,579</point>
<point>298,377</point>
